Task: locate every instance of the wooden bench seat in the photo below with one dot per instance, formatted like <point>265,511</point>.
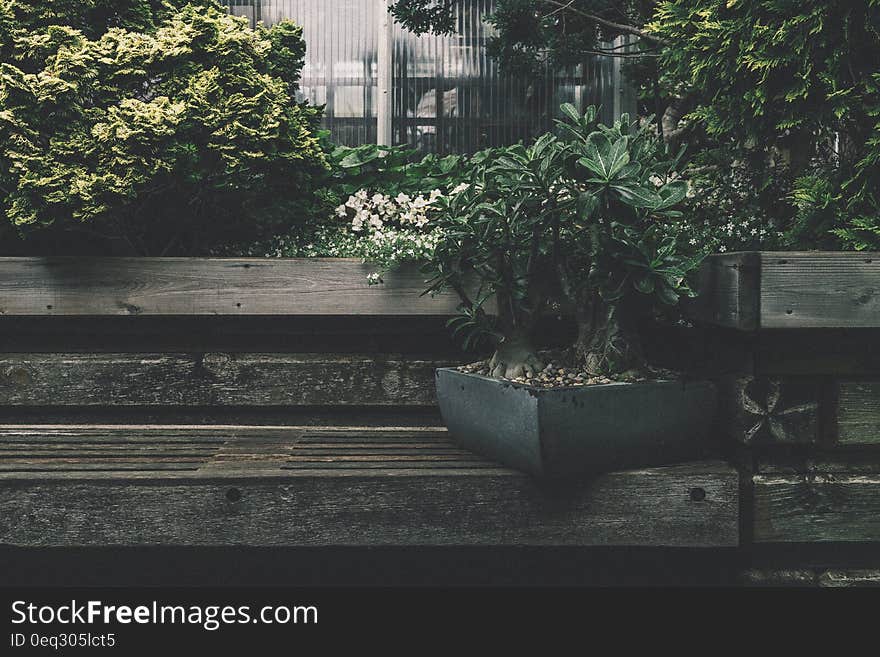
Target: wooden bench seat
<point>310,486</point>
<point>178,402</point>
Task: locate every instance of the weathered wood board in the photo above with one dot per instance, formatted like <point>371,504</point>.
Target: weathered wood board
<point>857,412</point>
<point>790,290</point>
<point>70,286</point>
<point>817,507</point>
<point>726,285</point>
<point>216,379</point>
<point>302,486</point>
<point>815,577</point>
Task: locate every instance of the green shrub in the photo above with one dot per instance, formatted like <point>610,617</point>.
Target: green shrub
<point>397,187</point>
<point>579,222</point>
<point>796,80</point>
<point>151,128</point>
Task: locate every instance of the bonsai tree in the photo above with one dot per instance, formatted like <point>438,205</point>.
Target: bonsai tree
<point>576,221</point>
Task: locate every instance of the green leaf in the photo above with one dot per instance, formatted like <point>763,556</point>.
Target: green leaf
<point>645,285</point>
<point>570,112</point>
<point>637,196</point>
<point>671,194</point>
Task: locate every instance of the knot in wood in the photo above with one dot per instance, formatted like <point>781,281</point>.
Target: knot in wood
<point>18,375</point>
<point>218,365</point>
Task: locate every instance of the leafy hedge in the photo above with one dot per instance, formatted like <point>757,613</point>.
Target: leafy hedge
<point>150,127</point>
<point>802,78</point>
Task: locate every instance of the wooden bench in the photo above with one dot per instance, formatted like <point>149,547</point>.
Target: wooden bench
<point>793,339</point>
<point>216,402</point>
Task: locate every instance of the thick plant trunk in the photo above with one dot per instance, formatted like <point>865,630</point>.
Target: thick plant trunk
<point>608,342</point>
<point>515,357</point>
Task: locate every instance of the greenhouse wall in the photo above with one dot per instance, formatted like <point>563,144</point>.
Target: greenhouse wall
<point>448,94</point>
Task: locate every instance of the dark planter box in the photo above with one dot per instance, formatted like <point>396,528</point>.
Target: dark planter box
<point>577,430</point>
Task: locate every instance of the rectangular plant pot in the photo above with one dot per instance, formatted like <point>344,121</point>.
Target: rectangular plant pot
<point>577,430</point>
<point>756,290</point>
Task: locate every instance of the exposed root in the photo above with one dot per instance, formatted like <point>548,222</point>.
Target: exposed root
<point>514,359</point>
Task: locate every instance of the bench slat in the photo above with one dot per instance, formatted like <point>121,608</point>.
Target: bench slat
<point>71,286</point>
<point>215,379</point>
<point>252,487</point>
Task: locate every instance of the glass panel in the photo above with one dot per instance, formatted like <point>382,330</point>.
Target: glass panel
<point>449,95</point>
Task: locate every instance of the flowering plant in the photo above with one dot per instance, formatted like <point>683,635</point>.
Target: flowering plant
<point>392,230</point>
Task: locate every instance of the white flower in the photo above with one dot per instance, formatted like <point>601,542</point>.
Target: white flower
<point>435,194</point>
<point>722,248</point>
<point>459,188</point>
<point>402,198</point>
<point>657,180</point>
<point>341,211</point>
<point>693,241</point>
<point>361,194</point>
<point>375,222</point>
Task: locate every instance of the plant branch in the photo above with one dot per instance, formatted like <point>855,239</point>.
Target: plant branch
<point>605,53</point>
<point>621,27</point>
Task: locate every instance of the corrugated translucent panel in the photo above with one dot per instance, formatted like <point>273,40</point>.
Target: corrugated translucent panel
<point>449,95</point>
<point>340,66</point>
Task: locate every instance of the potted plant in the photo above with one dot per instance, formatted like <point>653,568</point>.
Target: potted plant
<point>578,223</point>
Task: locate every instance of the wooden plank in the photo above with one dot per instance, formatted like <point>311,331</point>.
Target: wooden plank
<point>789,290</point>
<point>728,291</point>
<point>813,577</point>
<point>844,461</point>
<point>820,290</point>
<point>215,379</point>
<point>70,286</point>
<point>817,507</point>
<point>857,416</point>
<point>653,507</point>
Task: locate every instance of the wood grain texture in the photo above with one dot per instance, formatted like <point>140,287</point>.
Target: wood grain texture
<point>813,577</point>
<point>820,290</point>
<point>817,507</point>
<point>857,412</point>
<point>789,290</point>
<point>70,286</point>
<point>242,494</point>
<point>215,379</point>
<point>728,287</point>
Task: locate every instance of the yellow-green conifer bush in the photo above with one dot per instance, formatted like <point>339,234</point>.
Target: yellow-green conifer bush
<point>150,127</point>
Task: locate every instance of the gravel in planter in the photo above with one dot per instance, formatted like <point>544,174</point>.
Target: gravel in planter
<point>562,372</point>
